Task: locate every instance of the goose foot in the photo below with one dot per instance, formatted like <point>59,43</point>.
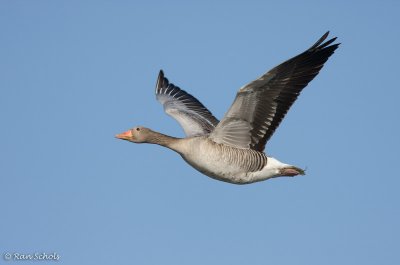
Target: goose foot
<point>292,171</point>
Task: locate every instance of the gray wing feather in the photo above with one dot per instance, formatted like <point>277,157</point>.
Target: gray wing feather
<point>260,106</point>
<point>194,118</point>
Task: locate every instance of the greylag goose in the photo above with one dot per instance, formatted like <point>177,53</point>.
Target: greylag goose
<point>232,150</point>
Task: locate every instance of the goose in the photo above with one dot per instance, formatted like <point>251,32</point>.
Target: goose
<point>232,150</point>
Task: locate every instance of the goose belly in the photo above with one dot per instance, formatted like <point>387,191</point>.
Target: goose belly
<point>214,161</point>
<point>215,167</point>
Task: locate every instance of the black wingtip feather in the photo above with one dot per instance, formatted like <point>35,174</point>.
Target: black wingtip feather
<point>327,43</point>
<point>319,45</point>
<point>161,80</point>
<point>319,41</point>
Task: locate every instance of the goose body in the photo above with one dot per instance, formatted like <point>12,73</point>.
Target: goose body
<point>230,164</point>
<point>223,162</point>
<point>231,150</point>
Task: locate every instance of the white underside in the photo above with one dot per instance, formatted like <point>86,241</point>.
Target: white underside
<point>272,169</point>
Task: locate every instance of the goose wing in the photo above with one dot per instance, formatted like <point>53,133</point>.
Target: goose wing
<point>194,118</point>
<point>260,106</point>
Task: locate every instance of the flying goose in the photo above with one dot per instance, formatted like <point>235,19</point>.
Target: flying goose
<point>232,150</point>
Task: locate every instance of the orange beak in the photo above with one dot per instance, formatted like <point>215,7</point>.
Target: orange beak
<point>124,136</point>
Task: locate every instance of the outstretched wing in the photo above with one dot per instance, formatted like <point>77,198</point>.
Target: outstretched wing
<point>194,118</point>
<point>260,106</point>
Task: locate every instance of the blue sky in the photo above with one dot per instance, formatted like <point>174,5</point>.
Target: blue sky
<point>74,73</point>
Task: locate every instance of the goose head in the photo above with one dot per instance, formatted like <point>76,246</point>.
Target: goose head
<point>137,134</point>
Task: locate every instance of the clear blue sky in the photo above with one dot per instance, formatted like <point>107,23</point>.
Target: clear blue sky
<point>75,73</point>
